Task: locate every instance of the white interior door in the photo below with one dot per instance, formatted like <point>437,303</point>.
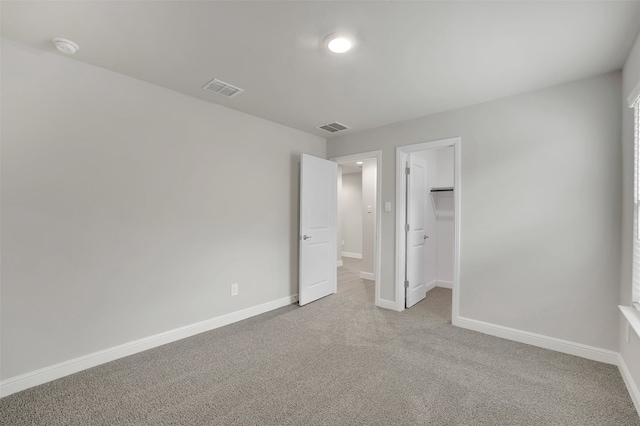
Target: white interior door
<point>416,234</point>
<point>318,231</point>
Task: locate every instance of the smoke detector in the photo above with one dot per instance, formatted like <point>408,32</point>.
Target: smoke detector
<point>223,89</point>
<point>333,127</point>
<point>65,46</point>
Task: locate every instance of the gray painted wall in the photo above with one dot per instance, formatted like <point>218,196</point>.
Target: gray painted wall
<point>445,223</point>
<point>129,209</point>
<point>339,217</point>
<point>445,237</point>
<point>351,201</point>
<point>431,223</point>
<point>541,206</point>
<point>446,161</point>
<point>631,76</point>
<point>368,214</point>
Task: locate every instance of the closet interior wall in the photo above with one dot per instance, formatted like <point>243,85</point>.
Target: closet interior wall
<point>439,253</point>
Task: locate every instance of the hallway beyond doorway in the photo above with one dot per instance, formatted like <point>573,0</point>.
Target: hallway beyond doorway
<point>350,284</point>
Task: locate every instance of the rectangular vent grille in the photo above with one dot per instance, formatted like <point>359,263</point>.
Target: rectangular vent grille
<point>221,88</point>
<point>333,127</point>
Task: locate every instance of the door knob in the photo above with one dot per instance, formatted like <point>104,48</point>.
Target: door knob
<point>306,237</point>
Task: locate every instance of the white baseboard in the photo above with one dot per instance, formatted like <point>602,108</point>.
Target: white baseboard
<point>339,263</point>
<point>367,276</point>
<point>632,386</point>
<point>387,304</point>
<point>559,345</point>
<point>47,374</point>
<point>433,284</point>
<point>351,255</point>
<point>445,284</point>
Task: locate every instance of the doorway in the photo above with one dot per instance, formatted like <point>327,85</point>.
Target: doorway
<point>436,213</point>
<point>359,228</point>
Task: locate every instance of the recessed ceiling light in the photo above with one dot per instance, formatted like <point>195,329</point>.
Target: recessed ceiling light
<point>339,42</point>
<point>66,46</point>
<point>359,163</point>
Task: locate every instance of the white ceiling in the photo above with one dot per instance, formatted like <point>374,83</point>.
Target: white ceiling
<point>412,58</point>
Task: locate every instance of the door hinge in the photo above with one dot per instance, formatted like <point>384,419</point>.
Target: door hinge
<point>407,170</point>
<point>406,227</point>
<point>406,284</point>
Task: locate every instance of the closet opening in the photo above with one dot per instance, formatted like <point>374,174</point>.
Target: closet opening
<point>427,221</point>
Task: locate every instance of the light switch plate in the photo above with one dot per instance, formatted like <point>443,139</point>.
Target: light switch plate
<point>387,206</point>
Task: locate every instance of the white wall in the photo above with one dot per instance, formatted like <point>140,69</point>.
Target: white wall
<point>445,237</point>
<point>445,224</point>
<point>431,225</point>
<point>129,209</point>
<point>339,218</point>
<point>368,215</point>
<point>351,201</point>
<point>445,165</point>
<point>540,214</point>
<point>439,222</point>
<point>631,77</point>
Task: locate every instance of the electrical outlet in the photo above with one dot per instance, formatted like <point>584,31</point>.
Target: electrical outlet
<point>234,289</point>
<point>342,242</point>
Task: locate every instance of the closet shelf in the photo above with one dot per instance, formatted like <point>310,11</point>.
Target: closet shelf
<point>436,201</point>
<point>442,189</point>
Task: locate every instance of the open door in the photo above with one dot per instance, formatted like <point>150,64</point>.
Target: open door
<point>318,231</point>
<point>416,234</point>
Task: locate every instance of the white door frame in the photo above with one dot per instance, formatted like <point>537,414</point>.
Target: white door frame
<point>378,228</point>
<point>402,154</point>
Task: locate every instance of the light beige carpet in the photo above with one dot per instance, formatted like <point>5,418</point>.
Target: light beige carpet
<point>337,361</point>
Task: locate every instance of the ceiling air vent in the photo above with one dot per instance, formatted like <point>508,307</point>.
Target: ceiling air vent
<point>221,88</point>
<point>333,127</point>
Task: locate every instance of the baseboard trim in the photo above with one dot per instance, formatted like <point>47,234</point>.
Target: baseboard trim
<point>632,386</point>
<point>559,345</point>
<point>339,263</point>
<point>47,374</point>
<point>367,276</point>
<point>386,304</point>
<point>445,284</point>
<point>351,255</point>
<point>433,284</point>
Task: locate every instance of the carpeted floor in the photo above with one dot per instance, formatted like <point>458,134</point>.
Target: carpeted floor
<point>351,285</point>
<point>337,361</point>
